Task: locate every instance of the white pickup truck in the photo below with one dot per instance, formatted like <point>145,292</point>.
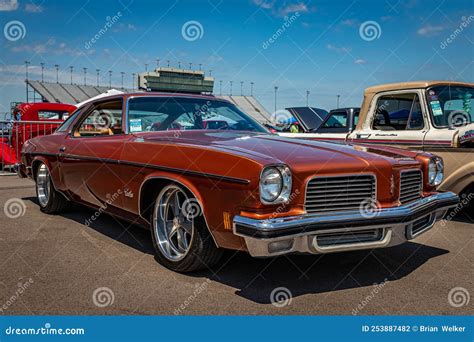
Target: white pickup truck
<point>433,116</point>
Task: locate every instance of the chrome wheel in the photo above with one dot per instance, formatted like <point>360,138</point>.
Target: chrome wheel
<point>172,227</point>
<point>43,185</point>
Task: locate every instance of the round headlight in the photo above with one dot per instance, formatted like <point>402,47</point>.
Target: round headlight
<point>271,184</point>
<point>435,171</point>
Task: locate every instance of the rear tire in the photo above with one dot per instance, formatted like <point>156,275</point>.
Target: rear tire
<point>180,236</point>
<point>50,201</point>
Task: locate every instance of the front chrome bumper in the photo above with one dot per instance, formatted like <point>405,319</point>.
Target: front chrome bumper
<point>342,231</point>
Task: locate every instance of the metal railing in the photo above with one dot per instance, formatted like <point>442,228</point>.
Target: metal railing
<point>13,134</point>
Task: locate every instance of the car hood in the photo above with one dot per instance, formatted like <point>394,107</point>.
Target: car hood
<point>296,153</point>
<point>309,117</point>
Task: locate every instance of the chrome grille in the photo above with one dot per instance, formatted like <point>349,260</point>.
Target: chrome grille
<point>410,185</point>
<point>339,193</point>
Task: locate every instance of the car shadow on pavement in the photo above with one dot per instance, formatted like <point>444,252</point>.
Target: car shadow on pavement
<point>256,279</point>
<point>120,230</point>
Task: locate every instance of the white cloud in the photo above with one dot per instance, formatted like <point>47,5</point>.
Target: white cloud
<point>32,8</point>
<point>293,8</point>
<point>282,10</point>
<point>51,47</point>
<point>429,30</point>
<point>264,4</point>
<point>8,5</point>
<point>349,22</point>
<point>360,61</point>
<point>341,49</point>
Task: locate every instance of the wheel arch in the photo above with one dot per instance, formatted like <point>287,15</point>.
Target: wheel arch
<point>151,187</point>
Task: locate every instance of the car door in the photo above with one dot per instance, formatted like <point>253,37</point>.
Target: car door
<point>395,118</point>
<point>89,158</point>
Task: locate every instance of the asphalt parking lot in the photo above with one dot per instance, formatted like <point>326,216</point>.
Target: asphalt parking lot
<point>54,265</point>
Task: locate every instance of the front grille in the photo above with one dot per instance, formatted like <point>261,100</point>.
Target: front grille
<point>410,185</point>
<point>339,193</point>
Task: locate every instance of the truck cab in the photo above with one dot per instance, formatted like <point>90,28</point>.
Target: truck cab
<point>432,116</point>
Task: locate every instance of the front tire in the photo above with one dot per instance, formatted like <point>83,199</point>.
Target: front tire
<point>180,236</point>
<point>50,201</point>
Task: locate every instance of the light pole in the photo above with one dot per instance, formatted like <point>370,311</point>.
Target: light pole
<point>210,72</point>
<point>98,72</point>
<point>146,66</point>
<point>190,66</point>
<point>85,76</point>
<point>26,75</point>
<point>307,98</point>
<point>57,72</point>
<point>157,62</point>
<point>276,89</point>
<point>251,88</point>
<point>231,88</point>
<point>42,72</point>
<point>220,87</point>
<point>241,88</point>
<point>71,68</point>
<point>200,65</point>
<point>338,96</point>
<point>122,73</point>
<point>179,65</point>
<point>110,79</point>
<point>168,63</point>
<point>133,81</point>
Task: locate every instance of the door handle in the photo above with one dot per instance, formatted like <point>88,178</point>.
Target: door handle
<point>363,135</point>
<point>62,149</point>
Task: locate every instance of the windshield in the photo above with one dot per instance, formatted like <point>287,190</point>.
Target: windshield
<point>451,106</point>
<point>147,113</point>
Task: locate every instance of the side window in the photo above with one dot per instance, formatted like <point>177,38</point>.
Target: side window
<point>398,112</point>
<point>336,120</point>
<point>104,119</point>
<point>51,115</point>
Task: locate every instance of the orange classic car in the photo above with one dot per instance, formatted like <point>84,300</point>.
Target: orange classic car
<point>149,158</point>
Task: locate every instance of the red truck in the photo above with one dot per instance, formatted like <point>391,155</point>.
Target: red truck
<point>28,121</point>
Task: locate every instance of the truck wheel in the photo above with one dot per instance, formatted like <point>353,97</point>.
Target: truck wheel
<point>50,201</point>
<point>180,236</point>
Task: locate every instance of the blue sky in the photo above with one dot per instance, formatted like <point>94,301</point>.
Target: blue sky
<point>317,45</point>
